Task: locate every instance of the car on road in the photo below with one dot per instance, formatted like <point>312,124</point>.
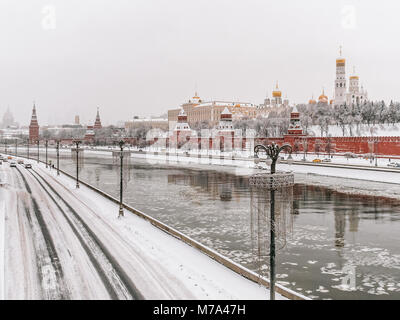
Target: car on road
<point>394,164</point>
<point>28,166</point>
<point>5,160</point>
<point>13,164</point>
<point>326,160</point>
<point>316,160</point>
<point>20,161</point>
<point>9,157</point>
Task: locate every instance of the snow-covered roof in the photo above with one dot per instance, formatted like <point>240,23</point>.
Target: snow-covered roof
<point>224,103</point>
<point>150,120</point>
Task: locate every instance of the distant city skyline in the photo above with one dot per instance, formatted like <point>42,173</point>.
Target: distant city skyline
<point>144,57</point>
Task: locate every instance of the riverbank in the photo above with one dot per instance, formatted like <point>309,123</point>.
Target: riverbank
<point>344,180</point>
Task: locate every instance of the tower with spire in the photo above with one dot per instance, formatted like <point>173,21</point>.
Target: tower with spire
<point>340,82</point>
<point>97,123</point>
<point>34,127</point>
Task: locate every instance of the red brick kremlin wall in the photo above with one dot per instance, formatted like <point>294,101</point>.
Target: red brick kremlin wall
<point>359,145</point>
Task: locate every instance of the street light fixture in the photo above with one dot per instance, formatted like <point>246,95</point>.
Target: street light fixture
<point>77,143</point>
<point>121,209</point>
<point>46,143</point>
<point>272,152</point>
<point>28,149</point>
<point>38,151</point>
<point>58,157</point>
<point>16,147</point>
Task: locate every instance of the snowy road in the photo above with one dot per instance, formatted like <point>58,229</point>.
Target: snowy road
<point>65,243</point>
<point>50,252</point>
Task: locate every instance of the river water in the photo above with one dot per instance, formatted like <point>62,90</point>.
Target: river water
<point>329,235</point>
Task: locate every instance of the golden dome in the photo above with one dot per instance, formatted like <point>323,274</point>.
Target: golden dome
<point>277,93</point>
<point>323,97</point>
<point>312,101</point>
<point>354,78</point>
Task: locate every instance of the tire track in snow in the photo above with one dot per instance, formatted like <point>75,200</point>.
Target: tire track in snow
<point>113,276</point>
<point>50,270</point>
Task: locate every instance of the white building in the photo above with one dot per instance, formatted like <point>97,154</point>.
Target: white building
<point>354,95</point>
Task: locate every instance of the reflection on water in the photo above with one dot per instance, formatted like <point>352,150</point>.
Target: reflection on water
<point>329,230</point>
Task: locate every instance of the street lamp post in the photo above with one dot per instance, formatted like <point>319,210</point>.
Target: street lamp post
<point>272,152</point>
<point>376,153</point>
<point>16,147</point>
<point>121,209</point>
<point>28,148</point>
<point>38,151</point>
<point>305,146</point>
<point>58,157</point>
<point>77,142</point>
<point>5,146</point>
<point>46,143</point>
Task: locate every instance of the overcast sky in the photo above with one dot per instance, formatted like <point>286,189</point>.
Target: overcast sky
<point>143,57</point>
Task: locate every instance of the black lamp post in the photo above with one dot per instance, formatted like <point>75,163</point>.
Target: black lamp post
<point>77,142</point>
<point>121,209</point>
<point>5,145</point>
<point>16,147</point>
<point>38,151</point>
<point>58,157</point>
<point>28,148</point>
<point>272,152</point>
<point>376,152</point>
<point>305,146</point>
<point>46,143</point>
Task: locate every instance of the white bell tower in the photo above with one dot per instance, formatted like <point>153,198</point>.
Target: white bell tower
<point>340,82</point>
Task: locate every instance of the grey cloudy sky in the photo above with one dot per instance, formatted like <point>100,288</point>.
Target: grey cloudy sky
<point>142,57</point>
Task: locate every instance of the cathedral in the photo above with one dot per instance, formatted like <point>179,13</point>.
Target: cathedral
<point>353,94</point>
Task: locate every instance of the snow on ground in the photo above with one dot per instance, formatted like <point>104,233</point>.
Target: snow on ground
<point>2,236</point>
<point>159,265</point>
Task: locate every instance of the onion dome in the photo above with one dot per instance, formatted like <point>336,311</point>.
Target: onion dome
<point>277,93</point>
<point>323,98</point>
<point>312,101</point>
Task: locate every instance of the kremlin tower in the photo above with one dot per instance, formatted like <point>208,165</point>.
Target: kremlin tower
<point>182,131</point>
<point>34,127</point>
<point>97,123</point>
<point>295,125</point>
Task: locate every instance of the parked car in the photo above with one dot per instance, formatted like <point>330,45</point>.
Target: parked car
<point>13,164</point>
<point>20,161</point>
<point>394,164</point>
<point>28,166</point>
<point>9,157</point>
<point>5,160</point>
<point>316,160</point>
<point>326,160</point>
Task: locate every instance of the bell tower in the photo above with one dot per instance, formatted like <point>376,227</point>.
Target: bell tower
<point>340,82</point>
